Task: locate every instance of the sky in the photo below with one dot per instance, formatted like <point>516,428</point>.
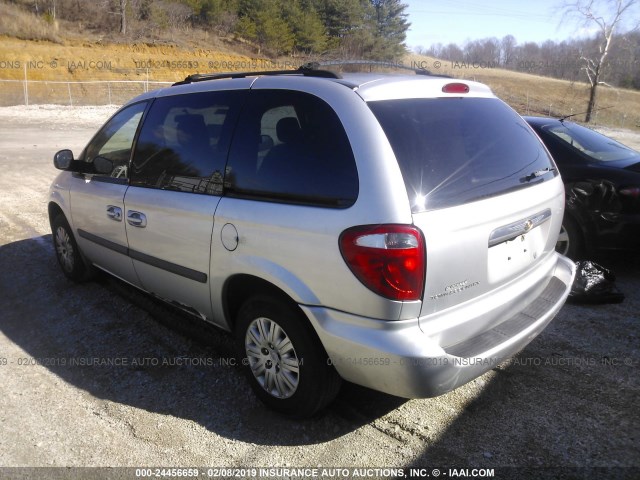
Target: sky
<point>456,21</point>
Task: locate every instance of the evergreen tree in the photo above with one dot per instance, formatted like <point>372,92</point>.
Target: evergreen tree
<point>308,29</point>
<point>391,25</point>
<point>340,18</point>
<point>273,32</point>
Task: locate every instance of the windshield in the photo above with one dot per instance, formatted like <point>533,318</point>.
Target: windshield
<point>591,143</point>
<point>453,151</point>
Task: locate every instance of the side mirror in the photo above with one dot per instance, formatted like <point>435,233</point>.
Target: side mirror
<point>62,160</point>
<point>103,165</point>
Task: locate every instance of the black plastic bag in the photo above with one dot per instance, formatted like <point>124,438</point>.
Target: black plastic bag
<point>594,284</point>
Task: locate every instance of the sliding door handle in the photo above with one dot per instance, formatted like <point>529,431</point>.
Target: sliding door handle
<point>136,219</point>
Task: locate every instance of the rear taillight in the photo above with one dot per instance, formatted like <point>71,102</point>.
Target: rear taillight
<point>633,192</point>
<point>388,259</point>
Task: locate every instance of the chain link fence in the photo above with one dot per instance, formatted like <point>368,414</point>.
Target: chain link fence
<point>609,110</point>
<point>613,109</point>
<point>96,92</point>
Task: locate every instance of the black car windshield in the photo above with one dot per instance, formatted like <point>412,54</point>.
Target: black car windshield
<point>591,143</point>
<point>453,151</point>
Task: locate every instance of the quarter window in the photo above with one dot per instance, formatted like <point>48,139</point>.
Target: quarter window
<point>291,147</point>
<point>184,142</point>
<point>115,139</point>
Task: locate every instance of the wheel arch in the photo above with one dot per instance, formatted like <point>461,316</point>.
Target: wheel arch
<point>54,210</point>
<point>241,287</point>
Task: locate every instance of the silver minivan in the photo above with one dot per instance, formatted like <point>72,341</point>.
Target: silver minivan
<point>394,231</point>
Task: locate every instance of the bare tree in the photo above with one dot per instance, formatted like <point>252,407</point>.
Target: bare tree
<point>121,11</point>
<point>606,16</point>
<point>177,14</point>
<point>123,17</point>
<point>507,48</point>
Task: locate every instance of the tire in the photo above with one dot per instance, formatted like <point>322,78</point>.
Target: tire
<point>570,241</point>
<point>285,362</point>
<point>67,252</point>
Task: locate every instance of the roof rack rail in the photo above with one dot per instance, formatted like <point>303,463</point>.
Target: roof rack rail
<point>311,69</point>
<point>400,66</point>
<point>306,70</point>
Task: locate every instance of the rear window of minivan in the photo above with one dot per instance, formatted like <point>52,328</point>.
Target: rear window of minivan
<point>453,151</point>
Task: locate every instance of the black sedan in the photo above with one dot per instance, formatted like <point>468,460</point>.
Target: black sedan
<point>602,185</point>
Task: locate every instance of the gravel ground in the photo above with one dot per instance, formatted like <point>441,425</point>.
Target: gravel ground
<point>569,400</point>
<point>627,137</point>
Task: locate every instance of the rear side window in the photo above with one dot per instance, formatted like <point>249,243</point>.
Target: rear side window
<point>590,143</point>
<point>184,142</point>
<point>453,151</point>
<point>291,147</point>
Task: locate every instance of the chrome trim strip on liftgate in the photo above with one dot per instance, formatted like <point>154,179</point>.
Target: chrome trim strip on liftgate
<point>515,229</point>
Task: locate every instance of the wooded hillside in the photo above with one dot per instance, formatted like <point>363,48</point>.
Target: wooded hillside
<point>370,29</point>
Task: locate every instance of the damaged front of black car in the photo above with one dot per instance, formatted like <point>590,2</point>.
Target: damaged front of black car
<point>602,185</point>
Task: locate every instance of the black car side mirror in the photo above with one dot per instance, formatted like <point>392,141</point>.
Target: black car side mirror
<point>63,159</point>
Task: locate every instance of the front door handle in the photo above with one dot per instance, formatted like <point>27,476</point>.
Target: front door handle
<point>114,213</point>
<point>136,219</point>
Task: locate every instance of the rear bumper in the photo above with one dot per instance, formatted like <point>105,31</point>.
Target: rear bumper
<point>400,359</point>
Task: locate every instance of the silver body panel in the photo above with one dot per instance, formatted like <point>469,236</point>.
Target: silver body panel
<point>171,254</point>
<point>90,201</point>
<point>193,245</point>
<point>401,359</point>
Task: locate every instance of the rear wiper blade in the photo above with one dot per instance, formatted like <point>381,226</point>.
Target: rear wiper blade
<point>539,173</point>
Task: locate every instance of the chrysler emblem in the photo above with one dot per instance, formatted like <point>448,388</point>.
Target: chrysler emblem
<point>528,225</point>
